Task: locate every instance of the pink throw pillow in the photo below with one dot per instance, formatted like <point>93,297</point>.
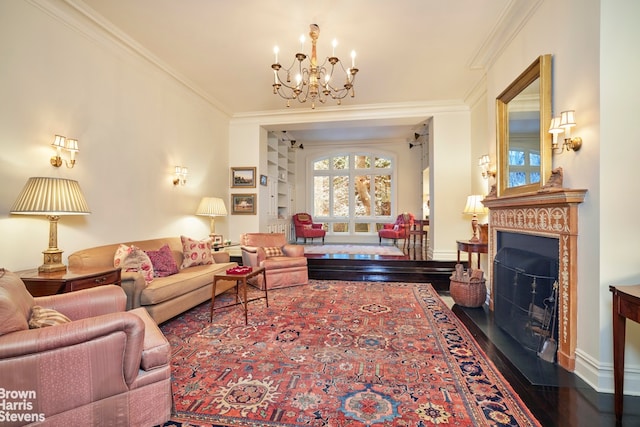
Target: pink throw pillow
<point>163,263</point>
<point>132,258</point>
<point>195,252</point>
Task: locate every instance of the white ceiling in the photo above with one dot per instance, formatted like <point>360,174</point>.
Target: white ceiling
<point>408,51</point>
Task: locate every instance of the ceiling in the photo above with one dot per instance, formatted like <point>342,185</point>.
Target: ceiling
<point>408,51</point>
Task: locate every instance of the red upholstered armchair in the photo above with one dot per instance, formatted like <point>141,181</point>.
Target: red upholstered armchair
<point>305,227</point>
<point>397,230</point>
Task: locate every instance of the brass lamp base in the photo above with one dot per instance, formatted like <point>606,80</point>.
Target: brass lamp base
<point>52,261</point>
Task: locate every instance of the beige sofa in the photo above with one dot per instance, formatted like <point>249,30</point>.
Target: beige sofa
<point>164,297</point>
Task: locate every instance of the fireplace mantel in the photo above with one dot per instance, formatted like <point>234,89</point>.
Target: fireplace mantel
<point>554,214</point>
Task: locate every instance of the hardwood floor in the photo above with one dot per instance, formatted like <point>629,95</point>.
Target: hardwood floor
<point>557,398</point>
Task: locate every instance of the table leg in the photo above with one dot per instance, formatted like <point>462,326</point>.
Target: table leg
<point>266,295</point>
<point>246,303</point>
<point>213,299</point>
<point>458,256</point>
<point>619,328</point>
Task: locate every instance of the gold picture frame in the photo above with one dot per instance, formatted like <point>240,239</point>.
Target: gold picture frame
<point>243,177</point>
<point>243,204</point>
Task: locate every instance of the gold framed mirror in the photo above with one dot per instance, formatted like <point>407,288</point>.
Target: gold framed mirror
<point>523,113</point>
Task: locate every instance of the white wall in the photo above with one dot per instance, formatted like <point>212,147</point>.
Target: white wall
<point>618,174</point>
<point>133,123</point>
<point>593,73</point>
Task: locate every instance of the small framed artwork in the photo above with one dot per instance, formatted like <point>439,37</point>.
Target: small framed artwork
<point>243,204</point>
<point>243,177</point>
<point>217,239</point>
<point>263,179</point>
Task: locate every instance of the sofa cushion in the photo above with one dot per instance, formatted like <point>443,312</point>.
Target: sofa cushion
<point>15,303</point>
<point>42,317</point>
<point>189,279</point>
<point>195,252</point>
<point>162,261</point>
<point>132,258</point>
<point>271,251</point>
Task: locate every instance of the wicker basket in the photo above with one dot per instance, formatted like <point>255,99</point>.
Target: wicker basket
<point>468,294</point>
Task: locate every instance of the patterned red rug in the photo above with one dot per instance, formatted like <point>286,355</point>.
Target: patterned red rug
<point>335,353</point>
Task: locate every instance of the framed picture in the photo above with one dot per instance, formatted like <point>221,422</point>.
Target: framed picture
<point>243,177</point>
<point>217,239</point>
<point>263,179</point>
<point>243,204</point>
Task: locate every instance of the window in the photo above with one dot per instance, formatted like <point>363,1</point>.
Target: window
<point>524,166</point>
<point>352,193</point>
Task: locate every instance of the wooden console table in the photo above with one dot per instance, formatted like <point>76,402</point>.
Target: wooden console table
<point>42,284</point>
<point>626,305</point>
<point>472,248</point>
<point>235,280</point>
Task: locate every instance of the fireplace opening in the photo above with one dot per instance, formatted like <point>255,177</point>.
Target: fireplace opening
<point>525,276</point>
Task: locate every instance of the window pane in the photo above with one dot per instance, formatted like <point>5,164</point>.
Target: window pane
<point>534,177</point>
<point>361,227</point>
<point>534,159</point>
<point>517,178</point>
<point>516,158</point>
<point>383,162</point>
<point>341,196</point>
<point>321,165</point>
<point>340,227</point>
<point>320,196</point>
<point>341,162</point>
<point>362,162</point>
<point>383,195</point>
<point>363,195</point>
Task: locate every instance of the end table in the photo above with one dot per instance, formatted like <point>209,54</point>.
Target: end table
<point>43,284</point>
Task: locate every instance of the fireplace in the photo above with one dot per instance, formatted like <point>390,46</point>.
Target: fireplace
<point>525,283</point>
<point>551,215</point>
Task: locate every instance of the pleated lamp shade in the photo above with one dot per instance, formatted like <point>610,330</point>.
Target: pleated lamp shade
<point>212,207</point>
<point>52,197</point>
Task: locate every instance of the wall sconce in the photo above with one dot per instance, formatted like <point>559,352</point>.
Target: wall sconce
<point>293,144</point>
<point>61,143</point>
<point>180,175</point>
<point>415,142</point>
<point>484,163</point>
<point>563,124</point>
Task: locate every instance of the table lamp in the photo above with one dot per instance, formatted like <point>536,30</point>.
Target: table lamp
<point>212,207</point>
<point>53,198</point>
<point>474,207</point>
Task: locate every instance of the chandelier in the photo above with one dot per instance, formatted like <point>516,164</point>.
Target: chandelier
<point>311,81</point>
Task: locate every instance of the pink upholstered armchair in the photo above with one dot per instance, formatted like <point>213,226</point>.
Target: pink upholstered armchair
<point>285,264</point>
<point>399,229</point>
<point>99,366</point>
<point>305,227</point>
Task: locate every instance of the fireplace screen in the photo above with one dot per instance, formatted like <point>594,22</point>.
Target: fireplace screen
<point>526,299</point>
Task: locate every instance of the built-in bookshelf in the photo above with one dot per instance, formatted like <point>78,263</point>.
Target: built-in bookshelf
<point>280,184</point>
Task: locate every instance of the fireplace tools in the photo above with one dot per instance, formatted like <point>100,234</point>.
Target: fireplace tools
<point>549,346</point>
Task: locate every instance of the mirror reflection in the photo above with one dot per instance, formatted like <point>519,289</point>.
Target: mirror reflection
<point>523,158</point>
<point>524,147</point>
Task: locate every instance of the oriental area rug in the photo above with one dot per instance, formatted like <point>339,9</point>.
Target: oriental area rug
<point>336,353</point>
<point>386,250</point>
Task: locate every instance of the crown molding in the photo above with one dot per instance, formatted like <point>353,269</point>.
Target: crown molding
<point>514,17</point>
<point>78,16</point>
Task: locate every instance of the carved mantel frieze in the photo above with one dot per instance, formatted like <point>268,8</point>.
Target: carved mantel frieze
<point>549,213</point>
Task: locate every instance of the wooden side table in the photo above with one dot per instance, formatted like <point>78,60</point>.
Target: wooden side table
<point>237,279</point>
<point>43,284</point>
<point>472,248</point>
<point>626,305</point>
<point>418,231</point>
